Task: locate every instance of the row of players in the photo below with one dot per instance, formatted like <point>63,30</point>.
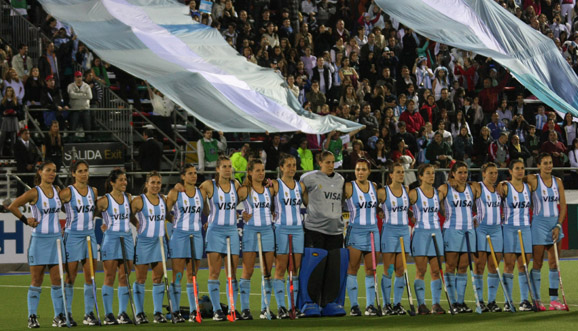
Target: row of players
<point>502,210</point>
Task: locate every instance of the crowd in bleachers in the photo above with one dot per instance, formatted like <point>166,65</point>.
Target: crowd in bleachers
<point>419,100</point>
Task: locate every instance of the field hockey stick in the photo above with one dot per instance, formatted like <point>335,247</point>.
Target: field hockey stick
<point>61,271</point>
<point>232,315</point>
<point>179,275</point>
<point>374,266</point>
<point>405,274</point>
<point>263,271</point>
<point>91,264</point>
<point>478,306</point>
<point>198,317</point>
<point>292,312</point>
<point>433,237</point>
<point>560,276</point>
<point>508,299</point>
<point>534,301</point>
<point>166,279</point>
<point>130,296</point>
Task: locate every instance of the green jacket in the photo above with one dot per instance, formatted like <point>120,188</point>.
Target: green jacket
<point>239,163</point>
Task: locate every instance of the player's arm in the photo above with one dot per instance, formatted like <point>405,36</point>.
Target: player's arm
<point>31,196</point>
<point>135,206</point>
<point>65,195</point>
<point>347,190</point>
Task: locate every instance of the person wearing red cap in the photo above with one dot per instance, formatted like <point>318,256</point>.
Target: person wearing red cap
<point>80,95</point>
<point>52,99</point>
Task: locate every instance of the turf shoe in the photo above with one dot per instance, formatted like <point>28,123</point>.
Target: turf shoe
<point>371,311</point>
<point>33,322</point>
<point>263,315</point>
<point>540,306</point>
<point>282,313</point>
<point>177,317</point>
<point>483,307</point>
<point>246,315</point>
<point>298,313</point>
<point>493,307</point>
<point>465,309</point>
<point>437,309</point>
<point>110,320</point>
<point>90,320</point>
<point>219,316</point>
<point>388,309</point>
<point>192,316</point>
<point>355,311</point>
<point>59,321</point>
<point>141,318</point>
<point>159,318</point>
<point>456,307</point>
<point>557,305</point>
<point>507,308</point>
<point>399,310</point>
<point>525,306</point>
<point>423,310</point>
<point>123,318</point>
<point>71,321</point>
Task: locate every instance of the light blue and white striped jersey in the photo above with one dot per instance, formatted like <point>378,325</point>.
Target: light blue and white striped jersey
<point>517,206</point>
<point>395,208</point>
<point>80,210</point>
<point>488,207</point>
<point>288,204</point>
<point>45,212</point>
<point>117,215</point>
<point>362,206</point>
<point>187,212</point>
<point>151,218</point>
<point>259,205</point>
<point>459,209</point>
<point>223,206</point>
<point>546,198</point>
<point>426,210</point>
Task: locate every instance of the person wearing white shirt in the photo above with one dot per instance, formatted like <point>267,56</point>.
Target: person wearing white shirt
<point>80,95</point>
<point>208,149</point>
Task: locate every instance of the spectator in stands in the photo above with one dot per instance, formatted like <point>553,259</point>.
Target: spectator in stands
<point>150,152</point>
<point>555,148</point>
<point>80,95</point>
<point>48,65</point>
<point>95,87</point>
<point>33,89</point>
<point>26,155</point>
<point>446,135</point>
<point>12,80</point>
<point>423,74</point>
<point>358,152</point>
<point>504,112</point>
<point>52,147</point>
<point>347,72</point>
<point>306,159</point>
<point>457,124</point>
<point>349,97</point>
<point>209,148</point>
<point>569,128</point>
<point>550,126</point>
<point>10,109</point>
<point>413,120</point>
<point>316,97</point>
<point>405,81</point>
<point>334,144</point>
<point>445,102</point>
<point>163,108</point>
<point>489,95</point>
<point>496,126</point>
<point>463,145</point>
<point>519,126</point>
<point>521,109</point>
<point>323,75</point>
<point>369,120</point>
<point>406,136</point>
<point>340,32</point>
<point>481,146</point>
<point>239,161</point>
<point>428,109</point>
<point>439,151</point>
<point>100,71</point>
<point>498,151</point>
<point>517,150</point>
<point>21,62</point>
<point>272,149</point>
<point>52,100</point>
<point>541,118</point>
<point>83,57</point>
<point>573,156</point>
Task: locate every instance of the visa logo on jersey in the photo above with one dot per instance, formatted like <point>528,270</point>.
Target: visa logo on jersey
<point>52,210</point>
<point>155,218</point>
<point>462,203</point>
<point>190,210</point>
<point>399,209</point>
<point>292,202</point>
<point>429,209</point>
<point>332,195</point>
<point>84,209</point>
<point>521,204</point>
<point>119,217</point>
<point>491,204</point>
<point>550,199</point>
<point>367,204</point>
<point>226,205</point>
<point>262,205</point>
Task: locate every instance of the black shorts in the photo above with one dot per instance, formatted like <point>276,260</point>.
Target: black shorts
<point>328,242</point>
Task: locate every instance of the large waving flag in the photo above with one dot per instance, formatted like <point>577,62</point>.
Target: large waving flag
<point>482,26</point>
<point>191,63</point>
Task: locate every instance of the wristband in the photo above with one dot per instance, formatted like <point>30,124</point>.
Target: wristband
<point>559,226</point>
<point>23,219</point>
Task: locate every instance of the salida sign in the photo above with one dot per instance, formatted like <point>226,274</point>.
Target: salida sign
<point>95,153</point>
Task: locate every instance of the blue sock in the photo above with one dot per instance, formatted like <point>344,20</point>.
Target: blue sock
<point>235,292</point>
<point>523,282</point>
<point>493,283</point>
<point>69,290</point>
<point>419,286</point>
<point>279,288</point>
<point>369,291</point>
<point>191,296</point>
<point>214,293</point>
<point>461,284</point>
<point>386,289</point>
<point>554,284</point>
<point>158,297</point>
<point>245,288</point>
<point>107,296</point>
<point>352,289</point>
<point>509,284</point>
<point>176,296</point>
<point>451,286</point>
<point>139,295</point>
<point>88,299</point>
<point>479,286</point>
<point>398,287</point>
<point>267,290</point>
<point>33,299</point>
<point>295,291</point>
<point>57,304</point>
<point>536,278</point>
<point>122,299</point>
<point>436,291</point>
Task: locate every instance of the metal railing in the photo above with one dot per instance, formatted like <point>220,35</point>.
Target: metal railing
<point>15,29</point>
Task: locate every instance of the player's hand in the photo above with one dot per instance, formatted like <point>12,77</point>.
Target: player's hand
<point>205,226</point>
<point>246,216</point>
<point>555,234</point>
<point>103,227</point>
<point>179,187</point>
<point>32,222</point>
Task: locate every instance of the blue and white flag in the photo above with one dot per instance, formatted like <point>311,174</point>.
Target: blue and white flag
<point>486,28</point>
<point>190,63</point>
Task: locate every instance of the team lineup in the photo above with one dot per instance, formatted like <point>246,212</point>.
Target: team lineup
<point>517,221</point>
